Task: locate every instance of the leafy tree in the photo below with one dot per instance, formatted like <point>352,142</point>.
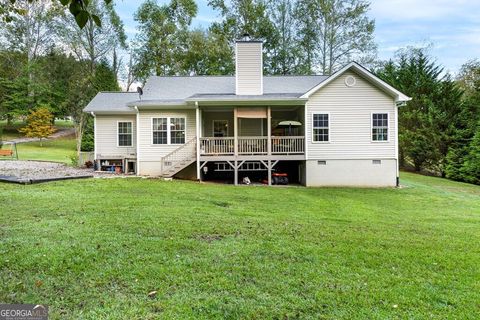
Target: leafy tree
<point>9,9</point>
<point>162,37</point>
<point>39,124</point>
<point>285,55</point>
<point>244,16</point>
<point>91,43</point>
<point>338,31</point>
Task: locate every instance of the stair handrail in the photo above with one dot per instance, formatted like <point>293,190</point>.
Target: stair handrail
<point>169,158</point>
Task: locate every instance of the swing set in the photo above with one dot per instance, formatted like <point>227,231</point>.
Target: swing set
<point>10,152</point>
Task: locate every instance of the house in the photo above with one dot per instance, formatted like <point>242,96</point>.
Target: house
<point>338,130</point>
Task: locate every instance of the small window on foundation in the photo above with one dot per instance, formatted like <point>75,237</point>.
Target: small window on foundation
<point>322,162</point>
<point>376,161</point>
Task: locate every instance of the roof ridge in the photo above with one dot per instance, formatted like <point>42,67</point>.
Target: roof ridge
<point>233,76</point>
<point>118,92</point>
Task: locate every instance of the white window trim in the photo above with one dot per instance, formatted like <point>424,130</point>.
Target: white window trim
<point>168,131</point>
<point>388,127</point>
<point>213,126</point>
<point>329,131</point>
<point>118,133</point>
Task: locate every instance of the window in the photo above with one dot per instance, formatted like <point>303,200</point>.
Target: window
<point>177,130</point>
<point>220,128</point>
<point>320,127</point>
<point>168,130</point>
<point>124,134</point>
<point>376,161</point>
<point>380,127</point>
<point>322,162</point>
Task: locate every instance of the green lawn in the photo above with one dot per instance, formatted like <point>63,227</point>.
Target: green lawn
<point>94,249</point>
<point>59,150</point>
<point>11,132</point>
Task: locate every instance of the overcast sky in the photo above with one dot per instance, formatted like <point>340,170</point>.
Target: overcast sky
<point>453,26</point>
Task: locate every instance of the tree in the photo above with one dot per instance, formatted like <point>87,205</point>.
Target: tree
<point>91,43</point>
<point>286,51</point>
<point>429,123</point>
<point>9,9</point>
<point>471,166</point>
<point>469,80</point>
<point>339,30</point>
<point>240,17</point>
<point>163,37</point>
<point>39,124</point>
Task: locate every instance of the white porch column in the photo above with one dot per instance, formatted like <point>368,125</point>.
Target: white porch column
<point>235,131</point>
<point>197,120</point>
<point>269,130</point>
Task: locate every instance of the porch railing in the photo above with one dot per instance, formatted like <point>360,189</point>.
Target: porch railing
<point>252,145</point>
<point>288,145</point>
<point>217,146</point>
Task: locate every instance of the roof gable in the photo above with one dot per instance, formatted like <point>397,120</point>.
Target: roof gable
<point>399,96</point>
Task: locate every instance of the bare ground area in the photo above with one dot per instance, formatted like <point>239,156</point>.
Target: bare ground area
<point>25,170</point>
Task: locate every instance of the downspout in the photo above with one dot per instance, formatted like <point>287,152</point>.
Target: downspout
<point>197,119</point>
<point>94,140</point>
<point>397,182</point>
<point>137,142</point>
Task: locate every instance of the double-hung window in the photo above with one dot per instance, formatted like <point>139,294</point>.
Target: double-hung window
<point>168,130</point>
<point>321,127</point>
<point>124,134</point>
<point>379,126</point>
<point>177,130</point>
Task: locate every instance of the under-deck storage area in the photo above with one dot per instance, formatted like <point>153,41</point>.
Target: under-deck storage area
<point>283,172</point>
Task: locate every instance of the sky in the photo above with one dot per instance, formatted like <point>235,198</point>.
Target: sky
<point>451,27</point>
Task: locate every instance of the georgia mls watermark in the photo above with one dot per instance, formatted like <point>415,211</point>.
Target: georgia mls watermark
<point>23,312</point>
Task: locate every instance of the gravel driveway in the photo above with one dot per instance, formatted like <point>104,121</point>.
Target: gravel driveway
<point>38,170</point>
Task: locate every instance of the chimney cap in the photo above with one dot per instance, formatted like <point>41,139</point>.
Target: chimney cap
<point>247,38</point>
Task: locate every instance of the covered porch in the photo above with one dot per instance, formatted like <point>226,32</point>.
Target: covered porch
<point>249,137</point>
<point>249,131</point>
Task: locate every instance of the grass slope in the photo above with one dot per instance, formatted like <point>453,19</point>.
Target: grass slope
<point>94,249</point>
<point>58,150</point>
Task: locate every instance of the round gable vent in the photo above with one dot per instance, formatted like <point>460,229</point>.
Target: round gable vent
<point>350,81</point>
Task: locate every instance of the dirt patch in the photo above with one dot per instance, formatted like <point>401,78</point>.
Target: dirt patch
<point>38,171</point>
<point>209,237</point>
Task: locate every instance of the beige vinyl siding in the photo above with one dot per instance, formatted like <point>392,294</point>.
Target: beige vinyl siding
<point>350,119</point>
<point>251,127</point>
<point>154,153</point>
<point>249,68</point>
<point>106,136</point>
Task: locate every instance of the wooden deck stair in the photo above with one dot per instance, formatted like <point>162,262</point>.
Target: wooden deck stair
<point>179,159</point>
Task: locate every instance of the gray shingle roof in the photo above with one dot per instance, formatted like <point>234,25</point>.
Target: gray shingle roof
<point>185,87</point>
<point>174,90</point>
<point>111,102</point>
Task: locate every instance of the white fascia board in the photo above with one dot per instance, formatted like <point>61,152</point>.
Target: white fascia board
<point>399,96</point>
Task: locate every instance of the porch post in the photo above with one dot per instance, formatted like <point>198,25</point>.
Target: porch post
<point>269,130</point>
<point>197,120</point>
<point>235,131</point>
<point>235,169</point>
<point>269,162</point>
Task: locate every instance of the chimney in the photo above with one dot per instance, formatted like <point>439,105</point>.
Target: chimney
<point>248,66</point>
